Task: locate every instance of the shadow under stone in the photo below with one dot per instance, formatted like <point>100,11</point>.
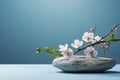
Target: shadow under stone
<point>105,72</point>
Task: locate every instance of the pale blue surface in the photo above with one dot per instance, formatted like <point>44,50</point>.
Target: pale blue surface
<point>48,72</point>
<point>27,24</point>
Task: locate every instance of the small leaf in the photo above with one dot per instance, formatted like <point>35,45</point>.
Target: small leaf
<point>108,38</point>
<point>113,36</point>
<point>56,51</point>
<point>105,52</point>
<point>109,42</point>
<point>47,49</point>
<point>56,55</point>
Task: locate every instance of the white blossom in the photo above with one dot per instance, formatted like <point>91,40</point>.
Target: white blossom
<point>63,47</point>
<point>88,37</point>
<point>77,43</point>
<point>96,39</point>
<point>67,53</point>
<point>90,52</point>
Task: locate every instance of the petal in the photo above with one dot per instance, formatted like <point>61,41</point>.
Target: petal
<point>76,41</point>
<point>91,34</point>
<point>81,43</point>
<point>66,45</point>
<point>72,44</point>
<point>86,33</point>
<point>84,38</point>
<point>60,46</point>
<point>70,50</point>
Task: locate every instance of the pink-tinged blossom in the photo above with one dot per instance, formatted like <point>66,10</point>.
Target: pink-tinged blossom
<point>96,39</point>
<point>67,53</point>
<point>77,43</point>
<point>63,47</point>
<point>88,37</point>
<point>90,52</point>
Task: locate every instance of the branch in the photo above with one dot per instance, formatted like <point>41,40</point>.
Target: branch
<point>114,40</point>
<point>112,30</point>
<point>101,41</point>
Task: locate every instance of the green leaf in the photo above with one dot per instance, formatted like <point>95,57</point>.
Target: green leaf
<point>113,36</point>
<point>47,49</point>
<point>56,54</point>
<point>105,52</point>
<point>109,42</point>
<point>56,51</point>
<point>108,37</point>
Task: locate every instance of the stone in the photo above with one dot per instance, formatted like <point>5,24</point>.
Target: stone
<point>83,64</point>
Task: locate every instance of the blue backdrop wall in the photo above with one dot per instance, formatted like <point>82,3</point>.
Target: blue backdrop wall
<point>27,24</point>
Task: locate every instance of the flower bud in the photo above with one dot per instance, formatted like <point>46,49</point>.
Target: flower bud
<point>92,30</point>
<point>115,28</point>
<point>38,50</point>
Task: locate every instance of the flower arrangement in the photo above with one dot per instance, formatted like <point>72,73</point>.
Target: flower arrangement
<point>102,42</point>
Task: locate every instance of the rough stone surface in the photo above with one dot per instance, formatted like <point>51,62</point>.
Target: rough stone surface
<point>83,64</point>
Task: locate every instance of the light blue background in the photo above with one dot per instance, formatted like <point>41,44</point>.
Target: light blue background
<point>27,24</point>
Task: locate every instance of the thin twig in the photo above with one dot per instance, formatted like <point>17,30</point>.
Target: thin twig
<point>95,44</point>
<point>112,30</point>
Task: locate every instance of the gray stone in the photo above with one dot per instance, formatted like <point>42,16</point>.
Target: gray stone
<point>83,64</point>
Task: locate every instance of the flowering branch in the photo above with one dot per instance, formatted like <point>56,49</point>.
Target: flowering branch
<point>80,49</point>
<point>51,52</point>
<point>88,37</point>
<point>115,28</point>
